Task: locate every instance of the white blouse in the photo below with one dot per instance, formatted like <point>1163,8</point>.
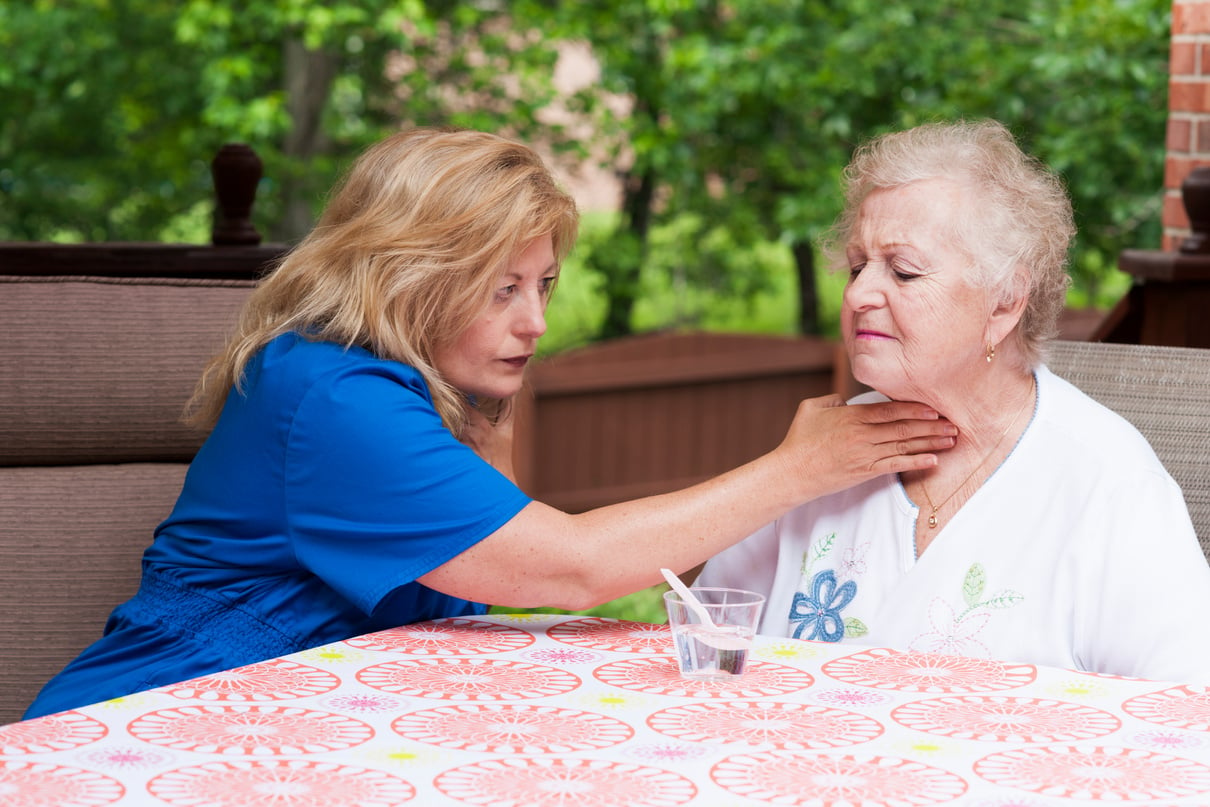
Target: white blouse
<point>1077,552</point>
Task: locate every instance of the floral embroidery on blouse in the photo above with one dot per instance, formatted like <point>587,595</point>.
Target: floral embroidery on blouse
<point>954,632</point>
<point>820,611</point>
<point>815,612</point>
<point>852,563</point>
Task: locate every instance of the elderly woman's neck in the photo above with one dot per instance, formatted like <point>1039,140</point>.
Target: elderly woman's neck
<point>988,410</point>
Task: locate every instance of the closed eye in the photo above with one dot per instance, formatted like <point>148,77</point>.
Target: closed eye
<point>904,272</point>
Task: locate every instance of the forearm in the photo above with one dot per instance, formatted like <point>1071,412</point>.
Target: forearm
<point>544,557</point>
<point>631,541</point>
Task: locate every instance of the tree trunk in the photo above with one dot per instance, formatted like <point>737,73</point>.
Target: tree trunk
<point>621,260</point>
<point>808,293</point>
<point>308,75</point>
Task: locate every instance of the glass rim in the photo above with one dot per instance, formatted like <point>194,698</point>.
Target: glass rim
<point>748,597</point>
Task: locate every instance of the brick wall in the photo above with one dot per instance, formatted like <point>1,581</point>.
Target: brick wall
<point>1188,138</point>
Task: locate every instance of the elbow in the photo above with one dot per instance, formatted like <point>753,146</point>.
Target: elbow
<point>582,591</point>
<point>574,597</point>
<point>581,601</point>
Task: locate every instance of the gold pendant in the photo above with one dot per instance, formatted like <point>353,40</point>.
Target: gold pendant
<point>933,520</point>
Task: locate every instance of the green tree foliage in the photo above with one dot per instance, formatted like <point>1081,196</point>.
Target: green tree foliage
<point>113,108</point>
<point>744,112</point>
<point>737,115</point>
<point>317,82</point>
<point>99,134</point>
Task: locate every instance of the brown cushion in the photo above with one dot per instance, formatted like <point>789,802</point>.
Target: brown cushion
<point>99,369</point>
<point>71,540</point>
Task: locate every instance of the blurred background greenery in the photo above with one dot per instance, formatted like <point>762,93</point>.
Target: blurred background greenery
<point>721,126</point>
<point>642,606</point>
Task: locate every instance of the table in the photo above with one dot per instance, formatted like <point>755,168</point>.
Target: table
<point>560,710</point>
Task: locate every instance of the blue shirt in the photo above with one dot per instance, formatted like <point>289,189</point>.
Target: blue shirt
<point>326,488</point>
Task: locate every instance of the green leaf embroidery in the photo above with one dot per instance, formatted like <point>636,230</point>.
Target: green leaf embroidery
<point>972,587</point>
<point>818,551</point>
<point>972,591</point>
<point>854,627</point>
<point>1005,599</point>
<point>825,546</point>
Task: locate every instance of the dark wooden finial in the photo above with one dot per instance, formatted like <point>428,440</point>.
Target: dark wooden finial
<point>1195,191</point>
<point>236,170</point>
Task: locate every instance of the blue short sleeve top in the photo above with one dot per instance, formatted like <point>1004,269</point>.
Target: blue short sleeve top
<point>328,486</point>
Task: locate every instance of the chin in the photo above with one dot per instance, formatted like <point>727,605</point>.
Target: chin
<point>502,392</point>
<point>865,371</point>
<point>893,388</point>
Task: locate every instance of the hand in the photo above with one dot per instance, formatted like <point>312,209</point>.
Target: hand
<point>492,441</point>
<point>832,446</point>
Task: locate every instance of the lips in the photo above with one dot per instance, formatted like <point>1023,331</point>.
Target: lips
<point>517,361</point>
<point>870,333</point>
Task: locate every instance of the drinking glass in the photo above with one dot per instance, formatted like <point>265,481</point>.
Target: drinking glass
<point>718,652</point>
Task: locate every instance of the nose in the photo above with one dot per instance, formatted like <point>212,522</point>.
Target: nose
<point>864,290</point>
<point>531,318</point>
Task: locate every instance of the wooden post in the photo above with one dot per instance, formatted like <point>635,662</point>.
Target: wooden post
<point>1169,303</point>
<point>236,170</point>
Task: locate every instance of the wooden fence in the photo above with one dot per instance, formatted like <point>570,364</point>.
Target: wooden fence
<point>653,413</point>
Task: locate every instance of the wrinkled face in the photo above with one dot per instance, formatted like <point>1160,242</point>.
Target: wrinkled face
<point>488,359</point>
<point>912,325</point>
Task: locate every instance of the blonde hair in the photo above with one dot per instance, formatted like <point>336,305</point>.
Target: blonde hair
<point>405,257</point>
<point>1016,212</point>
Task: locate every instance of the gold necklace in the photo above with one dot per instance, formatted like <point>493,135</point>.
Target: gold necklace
<point>933,515</point>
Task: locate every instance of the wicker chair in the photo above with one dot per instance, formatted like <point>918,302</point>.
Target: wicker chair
<point>1165,393</point>
<point>102,346</point>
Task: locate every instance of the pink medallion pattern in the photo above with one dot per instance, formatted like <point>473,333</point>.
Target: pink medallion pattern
<point>883,668</point>
<point>997,718</point>
<point>259,730</point>
<point>470,679</point>
<point>659,676</point>
<point>562,655</point>
<point>1167,740</point>
<point>671,753</point>
<point>850,697</point>
<point>566,711</point>
<point>57,732</point>
<point>561,782</point>
<point>1091,773</point>
<point>1180,707</point>
<point>274,680</point>
<point>282,783</point>
<point>781,725</point>
<point>125,757</point>
<point>455,636</point>
<point>37,784</point>
<point>617,636</point>
<point>784,778</point>
<point>365,703</point>
<point>512,729</point>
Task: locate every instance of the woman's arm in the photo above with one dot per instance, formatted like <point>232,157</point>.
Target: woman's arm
<point>544,557</point>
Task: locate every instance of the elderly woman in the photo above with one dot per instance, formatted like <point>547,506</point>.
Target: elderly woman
<point>1051,533</point>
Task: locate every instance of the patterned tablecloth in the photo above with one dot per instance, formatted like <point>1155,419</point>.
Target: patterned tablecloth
<point>555,710</point>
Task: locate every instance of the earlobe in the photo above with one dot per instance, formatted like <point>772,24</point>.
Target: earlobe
<point>1009,310</point>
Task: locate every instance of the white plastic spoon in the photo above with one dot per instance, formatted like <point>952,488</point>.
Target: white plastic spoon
<point>713,635</point>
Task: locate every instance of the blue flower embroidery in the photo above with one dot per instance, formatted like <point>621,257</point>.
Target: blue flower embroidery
<point>821,610</point>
